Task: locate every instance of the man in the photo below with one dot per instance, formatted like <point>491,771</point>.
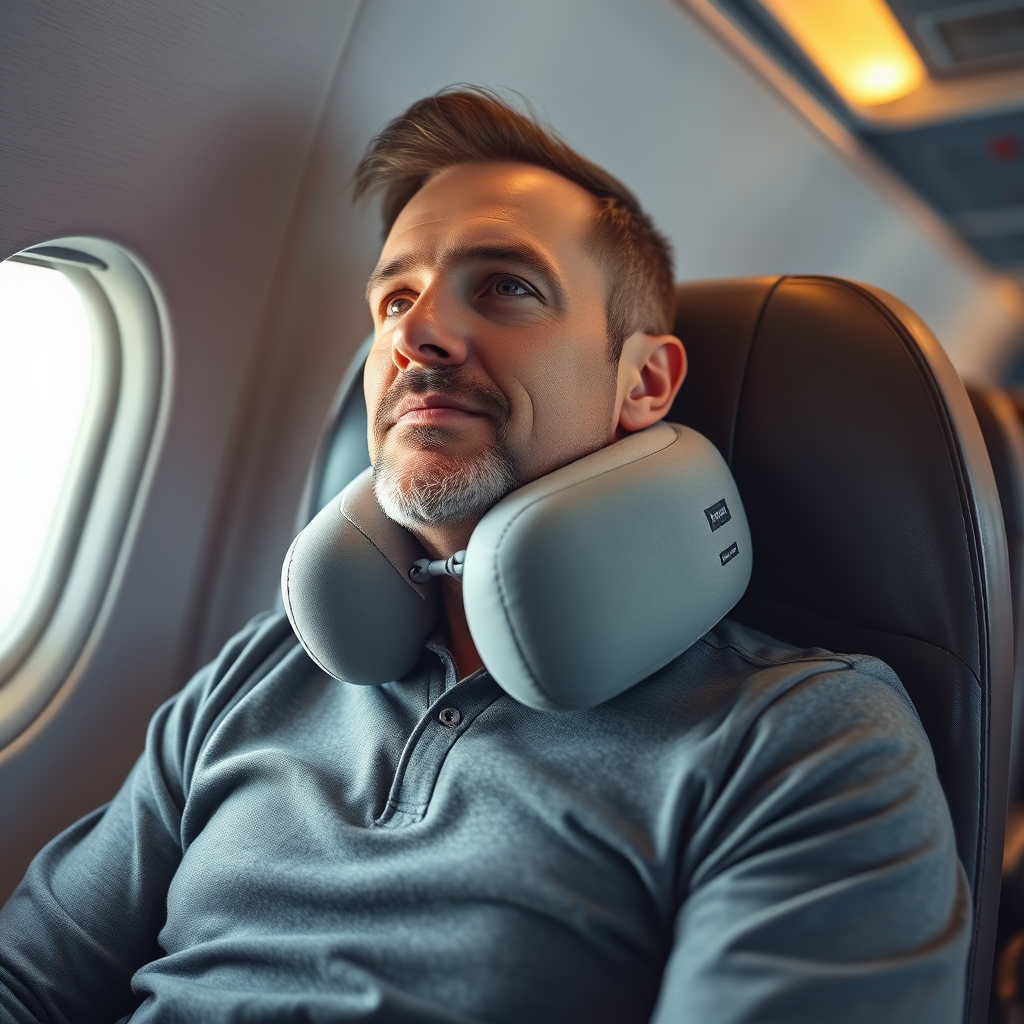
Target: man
<point>753,833</point>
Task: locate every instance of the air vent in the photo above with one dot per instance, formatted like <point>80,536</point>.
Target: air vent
<point>974,37</point>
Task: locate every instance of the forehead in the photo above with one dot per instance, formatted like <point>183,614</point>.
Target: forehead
<point>495,201</point>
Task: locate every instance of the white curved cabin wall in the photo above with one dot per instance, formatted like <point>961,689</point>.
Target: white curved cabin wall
<point>215,142</point>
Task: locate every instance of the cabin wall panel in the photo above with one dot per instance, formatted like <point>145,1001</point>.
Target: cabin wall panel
<point>182,132</point>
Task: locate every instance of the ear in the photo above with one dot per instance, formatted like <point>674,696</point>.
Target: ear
<point>651,370</point>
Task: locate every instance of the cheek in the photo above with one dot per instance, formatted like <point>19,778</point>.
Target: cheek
<point>378,374</point>
<point>571,394</point>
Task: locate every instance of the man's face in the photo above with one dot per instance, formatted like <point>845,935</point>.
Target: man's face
<point>490,365</point>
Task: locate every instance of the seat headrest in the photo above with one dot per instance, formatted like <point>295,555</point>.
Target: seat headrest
<point>576,586</point>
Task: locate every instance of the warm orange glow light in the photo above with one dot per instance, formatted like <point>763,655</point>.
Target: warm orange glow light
<point>858,45</point>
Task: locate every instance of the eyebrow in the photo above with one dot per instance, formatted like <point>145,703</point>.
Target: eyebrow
<point>523,255</point>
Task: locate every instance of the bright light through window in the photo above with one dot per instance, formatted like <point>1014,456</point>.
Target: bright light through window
<point>45,367</point>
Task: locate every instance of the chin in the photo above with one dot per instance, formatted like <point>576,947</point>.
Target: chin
<point>436,488</point>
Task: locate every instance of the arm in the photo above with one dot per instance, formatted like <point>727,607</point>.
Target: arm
<point>823,883</point>
<point>88,912</point>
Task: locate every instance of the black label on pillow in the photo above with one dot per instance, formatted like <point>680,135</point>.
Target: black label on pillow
<point>729,553</point>
<point>718,515</point>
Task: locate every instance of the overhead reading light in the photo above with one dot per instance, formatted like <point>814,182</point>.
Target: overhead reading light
<point>858,45</point>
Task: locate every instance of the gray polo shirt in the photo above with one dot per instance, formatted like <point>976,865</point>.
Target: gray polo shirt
<point>754,833</point>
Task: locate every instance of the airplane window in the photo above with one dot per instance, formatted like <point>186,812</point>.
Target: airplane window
<point>46,364</point>
<point>83,357</point>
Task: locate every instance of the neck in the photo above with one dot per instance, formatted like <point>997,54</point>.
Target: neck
<point>440,542</point>
<point>467,661</point>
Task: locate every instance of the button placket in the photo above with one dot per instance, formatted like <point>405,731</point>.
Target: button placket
<point>451,673</point>
<point>441,727</point>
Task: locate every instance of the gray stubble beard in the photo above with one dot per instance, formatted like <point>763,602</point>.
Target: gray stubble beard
<point>436,496</point>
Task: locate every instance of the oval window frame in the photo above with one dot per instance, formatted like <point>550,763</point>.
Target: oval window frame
<point>104,489</point>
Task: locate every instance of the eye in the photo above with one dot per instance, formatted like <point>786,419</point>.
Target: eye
<point>511,287</point>
<point>397,306</point>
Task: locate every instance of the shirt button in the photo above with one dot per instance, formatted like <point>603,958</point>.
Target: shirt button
<point>450,717</point>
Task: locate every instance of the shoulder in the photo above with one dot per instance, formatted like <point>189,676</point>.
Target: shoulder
<point>769,678</point>
<point>764,713</point>
<point>264,649</point>
<point>811,728</point>
<point>249,656</point>
<point>751,653</point>
<point>735,676</point>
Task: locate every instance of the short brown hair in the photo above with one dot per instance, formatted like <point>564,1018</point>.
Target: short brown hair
<point>469,125</point>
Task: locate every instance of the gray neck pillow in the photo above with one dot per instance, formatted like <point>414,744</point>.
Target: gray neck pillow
<point>576,586</point>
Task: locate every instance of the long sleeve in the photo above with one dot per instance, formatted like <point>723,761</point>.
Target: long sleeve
<point>90,908</point>
<point>822,884</point>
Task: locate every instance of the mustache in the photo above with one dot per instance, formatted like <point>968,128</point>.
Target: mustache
<point>447,381</point>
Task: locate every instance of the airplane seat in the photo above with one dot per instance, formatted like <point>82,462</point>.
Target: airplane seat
<point>342,453</point>
<point>874,513</point>
<point>875,520</point>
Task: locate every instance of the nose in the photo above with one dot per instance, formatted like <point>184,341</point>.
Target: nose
<point>429,334</point>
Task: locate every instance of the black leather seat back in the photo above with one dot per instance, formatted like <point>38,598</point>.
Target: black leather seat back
<point>875,519</point>
<point>342,453</point>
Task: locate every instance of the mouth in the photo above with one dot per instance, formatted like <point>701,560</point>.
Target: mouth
<point>433,410</point>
